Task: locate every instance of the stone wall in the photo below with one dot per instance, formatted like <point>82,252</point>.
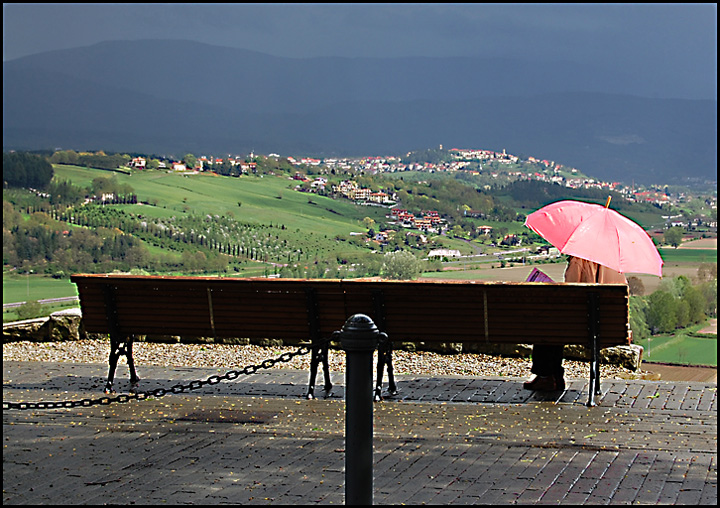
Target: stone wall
<point>629,357</point>
<point>59,326</point>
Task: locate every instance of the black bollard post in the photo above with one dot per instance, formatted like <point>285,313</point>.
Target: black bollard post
<point>359,338</point>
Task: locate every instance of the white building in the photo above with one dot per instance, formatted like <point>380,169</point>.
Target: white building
<point>444,253</point>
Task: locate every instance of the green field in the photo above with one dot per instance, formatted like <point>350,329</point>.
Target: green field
<point>22,288</point>
<point>671,255</point>
<point>681,348</point>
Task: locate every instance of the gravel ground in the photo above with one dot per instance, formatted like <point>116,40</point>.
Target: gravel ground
<point>236,357</point>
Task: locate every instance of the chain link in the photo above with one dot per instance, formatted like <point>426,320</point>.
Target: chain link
<point>161,392</point>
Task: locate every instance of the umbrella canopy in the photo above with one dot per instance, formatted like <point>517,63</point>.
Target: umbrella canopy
<point>598,234</point>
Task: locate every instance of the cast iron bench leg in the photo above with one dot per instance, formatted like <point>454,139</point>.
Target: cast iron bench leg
<point>594,333</point>
<point>121,347</point>
<point>319,354</point>
<point>326,370</point>
<point>384,359</point>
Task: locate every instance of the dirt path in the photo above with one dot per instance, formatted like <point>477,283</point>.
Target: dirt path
<point>711,327</point>
<point>703,243</point>
<point>678,373</point>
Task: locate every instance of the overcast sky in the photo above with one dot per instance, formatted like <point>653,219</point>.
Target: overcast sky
<point>655,38</point>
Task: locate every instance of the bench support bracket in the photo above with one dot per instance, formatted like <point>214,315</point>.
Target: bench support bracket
<point>319,355</point>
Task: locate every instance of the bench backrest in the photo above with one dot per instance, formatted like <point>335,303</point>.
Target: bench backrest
<point>550,313</point>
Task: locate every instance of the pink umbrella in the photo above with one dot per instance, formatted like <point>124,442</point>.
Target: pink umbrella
<point>598,234</point>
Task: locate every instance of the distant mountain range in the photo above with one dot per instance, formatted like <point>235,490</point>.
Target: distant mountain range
<point>175,97</point>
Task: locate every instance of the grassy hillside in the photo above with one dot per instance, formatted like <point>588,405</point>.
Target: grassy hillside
<point>311,222</point>
<point>254,199</point>
<point>318,228</point>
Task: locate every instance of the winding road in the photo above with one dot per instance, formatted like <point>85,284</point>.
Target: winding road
<point>42,302</point>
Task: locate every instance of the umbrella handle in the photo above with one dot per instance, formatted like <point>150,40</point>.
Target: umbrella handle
<point>607,204</point>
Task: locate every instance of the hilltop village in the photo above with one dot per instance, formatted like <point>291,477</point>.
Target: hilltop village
<point>313,175</point>
<point>497,165</point>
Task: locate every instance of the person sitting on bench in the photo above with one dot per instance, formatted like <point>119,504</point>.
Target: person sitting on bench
<point>546,359</point>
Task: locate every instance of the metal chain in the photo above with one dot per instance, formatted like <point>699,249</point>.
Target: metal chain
<point>161,392</point>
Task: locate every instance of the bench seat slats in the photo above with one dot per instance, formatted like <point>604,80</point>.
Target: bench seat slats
<point>411,311</point>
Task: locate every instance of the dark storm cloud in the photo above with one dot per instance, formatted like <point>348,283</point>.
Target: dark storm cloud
<point>665,42</point>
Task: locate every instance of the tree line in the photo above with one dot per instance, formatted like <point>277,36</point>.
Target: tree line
<point>678,303</point>
<point>26,170</point>
<point>53,247</point>
<point>99,160</point>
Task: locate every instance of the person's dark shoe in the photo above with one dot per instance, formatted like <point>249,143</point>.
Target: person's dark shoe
<point>541,384</point>
<point>560,383</point>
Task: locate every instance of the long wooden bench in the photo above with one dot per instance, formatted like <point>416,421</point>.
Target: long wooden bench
<point>124,306</point>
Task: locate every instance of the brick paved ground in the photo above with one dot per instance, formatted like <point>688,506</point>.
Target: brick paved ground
<point>440,441</point>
